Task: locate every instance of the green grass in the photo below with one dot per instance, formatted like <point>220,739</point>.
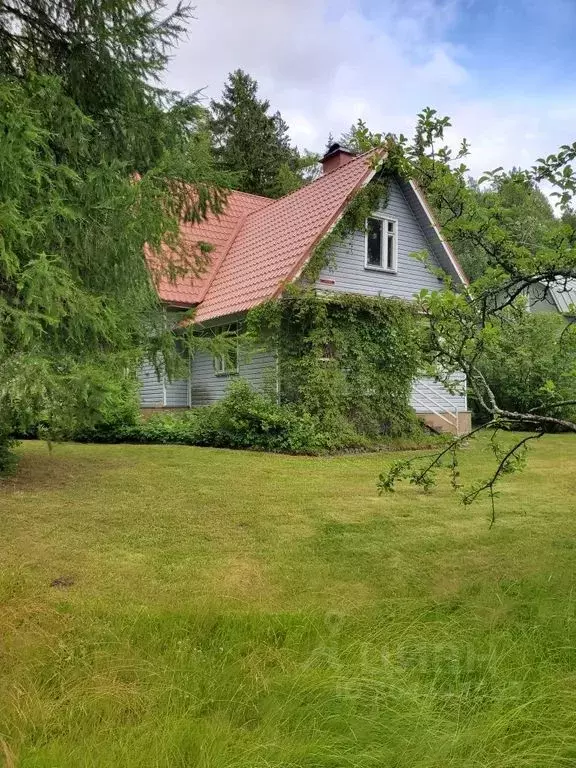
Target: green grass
<point>256,611</point>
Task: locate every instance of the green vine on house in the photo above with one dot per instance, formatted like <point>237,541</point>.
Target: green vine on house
<point>347,360</point>
<point>359,208</point>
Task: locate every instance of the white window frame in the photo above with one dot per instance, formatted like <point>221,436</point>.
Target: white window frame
<point>385,220</point>
<point>221,363</point>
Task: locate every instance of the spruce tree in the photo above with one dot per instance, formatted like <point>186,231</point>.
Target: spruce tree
<point>250,142</point>
<point>95,163</point>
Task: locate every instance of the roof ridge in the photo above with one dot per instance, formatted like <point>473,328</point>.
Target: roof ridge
<point>273,200</point>
<point>251,194</point>
<point>353,160</point>
<point>295,271</point>
<point>315,181</point>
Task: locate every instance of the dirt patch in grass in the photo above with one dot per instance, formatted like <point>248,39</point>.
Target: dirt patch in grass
<point>42,468</point>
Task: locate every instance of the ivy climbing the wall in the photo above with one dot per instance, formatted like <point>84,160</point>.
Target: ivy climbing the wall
<point>364,202</point>
<point>347,360</point>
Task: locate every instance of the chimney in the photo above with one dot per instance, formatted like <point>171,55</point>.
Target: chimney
<point>336,157</point>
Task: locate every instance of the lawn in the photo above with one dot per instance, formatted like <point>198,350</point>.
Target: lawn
<point>177,606</point>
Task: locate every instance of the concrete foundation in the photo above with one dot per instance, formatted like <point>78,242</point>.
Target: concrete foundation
<point>147,412</point>
<point>459,427</point>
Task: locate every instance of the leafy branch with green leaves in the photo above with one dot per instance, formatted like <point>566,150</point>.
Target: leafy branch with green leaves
<point>465,325</point>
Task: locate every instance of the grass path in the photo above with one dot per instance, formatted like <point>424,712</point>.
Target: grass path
<point>175,606</point>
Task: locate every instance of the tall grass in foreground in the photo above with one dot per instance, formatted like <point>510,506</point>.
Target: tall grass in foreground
<point>174,607</point>
<point>438,684</point>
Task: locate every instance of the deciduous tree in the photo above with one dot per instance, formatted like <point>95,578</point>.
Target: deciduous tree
<point>464,326</point>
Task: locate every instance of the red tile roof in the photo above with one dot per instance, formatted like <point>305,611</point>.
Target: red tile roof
<point>260,244</point>
<point>220,232</point>
<point>274,242</point>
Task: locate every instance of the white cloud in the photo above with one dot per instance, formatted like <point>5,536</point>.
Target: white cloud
<point>324,63</point>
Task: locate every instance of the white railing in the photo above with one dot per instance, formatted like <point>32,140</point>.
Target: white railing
<point>431,400</point>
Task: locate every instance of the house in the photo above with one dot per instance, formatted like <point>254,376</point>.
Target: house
<point>558,297</point>
<point>260,245</point>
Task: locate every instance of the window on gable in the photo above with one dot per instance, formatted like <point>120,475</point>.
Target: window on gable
<point>226,362</point>
<point>382,244</point>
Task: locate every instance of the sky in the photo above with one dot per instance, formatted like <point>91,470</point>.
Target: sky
<point>503,70</point>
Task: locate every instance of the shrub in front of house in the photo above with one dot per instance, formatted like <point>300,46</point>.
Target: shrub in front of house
<point>243,419</point>
<point>248,419</point>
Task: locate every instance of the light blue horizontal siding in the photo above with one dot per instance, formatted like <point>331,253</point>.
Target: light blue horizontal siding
<point>158,392</point>
<point>258,368</point>
<point>177,393</point>
<point>348,271</point>
<point>429,395</point>
<point>435,245</point>
<point>260,371</point>
<point>151,387</point>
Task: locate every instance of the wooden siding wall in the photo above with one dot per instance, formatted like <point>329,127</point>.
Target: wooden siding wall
<point>151,387</point>
<point>435,244</point>
<point>159,392</point>
<point>350,276</point>
<point>177,393</point>
<point>259,371</point>
<point>258,368</point>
